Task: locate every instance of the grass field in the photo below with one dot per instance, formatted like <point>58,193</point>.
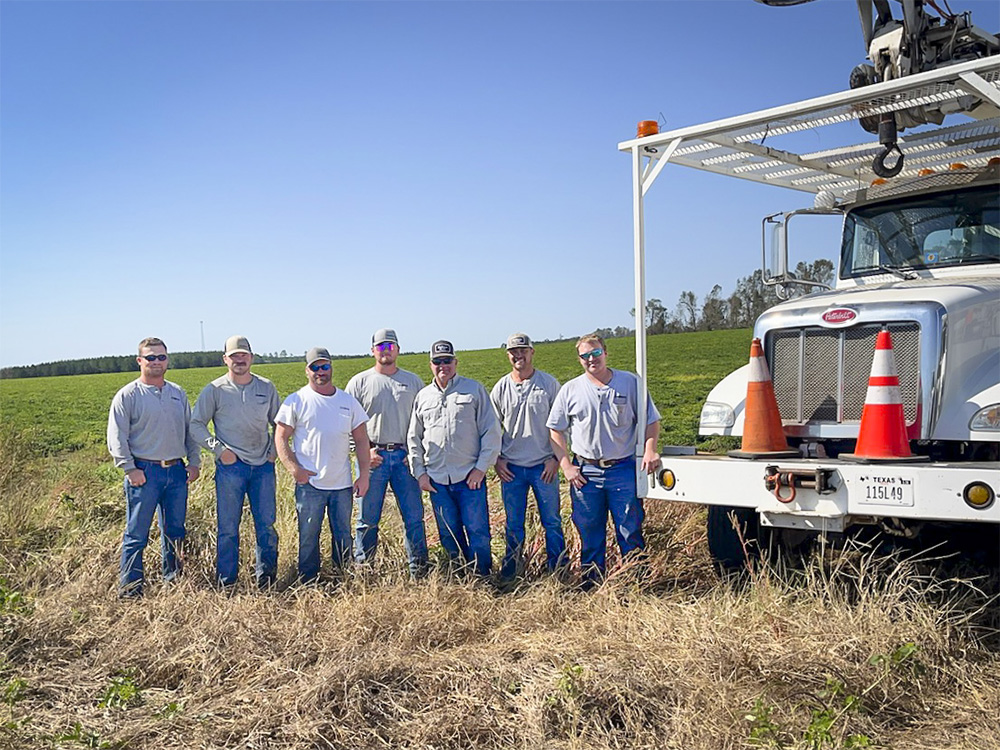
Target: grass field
<point>852,650</point>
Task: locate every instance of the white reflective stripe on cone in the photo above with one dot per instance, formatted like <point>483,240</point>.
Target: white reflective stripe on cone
<point>758,371</point>
<point>881,395</point>
<point>884,364</point>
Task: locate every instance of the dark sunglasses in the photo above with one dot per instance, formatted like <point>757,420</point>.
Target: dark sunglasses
<point>592,354</point>
<point>442,361</point>
<point>320,368</point>
<point>155,357</point>
<point>384,347</point>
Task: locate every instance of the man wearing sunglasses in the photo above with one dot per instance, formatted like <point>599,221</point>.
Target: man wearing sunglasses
<point>321,421</point>
<point>387,392</point>
<point>522,400</point>
<point>454,438</point>
<point>149,438</point>
<point>241,405</point>
<point>599,412</point>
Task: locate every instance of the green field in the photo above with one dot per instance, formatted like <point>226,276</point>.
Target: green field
<point>849,650</point>
<point>70,412</point>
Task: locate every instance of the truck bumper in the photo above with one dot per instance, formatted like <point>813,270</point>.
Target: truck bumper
<point>830,495</point>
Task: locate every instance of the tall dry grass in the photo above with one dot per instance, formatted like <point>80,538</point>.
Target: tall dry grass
<point>855,647</point>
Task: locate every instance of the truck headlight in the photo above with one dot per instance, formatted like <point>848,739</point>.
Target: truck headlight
<point>714,414</point>
<point>987,418</point>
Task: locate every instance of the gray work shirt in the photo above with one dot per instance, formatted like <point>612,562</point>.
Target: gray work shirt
<point>523,410</point>
<point>147,421</point>
<point>453,431</point>
<point>242,415</point>
<point>601,419</point>
<point>388,399</point>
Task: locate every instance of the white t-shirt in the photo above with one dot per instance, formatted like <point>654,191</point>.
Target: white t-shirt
<point>321,437</point>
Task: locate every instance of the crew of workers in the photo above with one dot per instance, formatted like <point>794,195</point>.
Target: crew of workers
<point>438,439</point>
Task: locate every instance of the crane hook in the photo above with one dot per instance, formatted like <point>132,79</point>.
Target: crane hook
<point>878,164</point>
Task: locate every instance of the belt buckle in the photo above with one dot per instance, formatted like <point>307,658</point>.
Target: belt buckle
<point>605,463</point>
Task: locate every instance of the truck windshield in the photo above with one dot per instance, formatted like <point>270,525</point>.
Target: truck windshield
<point>928,231</point>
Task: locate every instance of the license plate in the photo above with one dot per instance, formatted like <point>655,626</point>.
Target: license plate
<point>885,489</point>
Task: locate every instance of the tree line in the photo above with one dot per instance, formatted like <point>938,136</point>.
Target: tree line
<point>127,363</point>
<point>740,309</point>
<point>749,299</point>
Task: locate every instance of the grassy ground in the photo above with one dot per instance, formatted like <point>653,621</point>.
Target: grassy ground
<point>853,650</point>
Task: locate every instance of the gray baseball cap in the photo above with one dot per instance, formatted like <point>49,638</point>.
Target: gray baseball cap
<point>235,344</point>
<point>317,353</point>
<point>518,340</point>
<point>384,334</point>
<point>442,349</point>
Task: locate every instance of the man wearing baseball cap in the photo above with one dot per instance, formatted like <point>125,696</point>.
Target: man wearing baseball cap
<point>522,399</point>
<point>241,406</point>
<point>321,421</point>
<point>387,392</point>
<point>454,438</point>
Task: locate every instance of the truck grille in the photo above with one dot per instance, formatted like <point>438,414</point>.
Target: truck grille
<point>821,374</point>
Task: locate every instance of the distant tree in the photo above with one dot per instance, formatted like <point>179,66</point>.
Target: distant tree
<point>713,311</point>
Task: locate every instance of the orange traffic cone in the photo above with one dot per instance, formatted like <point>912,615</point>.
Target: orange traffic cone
<point>763,434</point>
<point>882,435</point>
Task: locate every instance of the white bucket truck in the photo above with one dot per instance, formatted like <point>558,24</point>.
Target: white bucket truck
<point>920,256</point>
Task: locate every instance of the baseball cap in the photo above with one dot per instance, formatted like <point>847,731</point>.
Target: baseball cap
<point>235,344</point>
<point>442,349</point>
<point>317,353</point>
<point>516,340</point>
<point>384,334</point>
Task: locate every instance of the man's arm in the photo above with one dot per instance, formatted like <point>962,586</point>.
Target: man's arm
<point>118,445</point>
<point>362,449</point>
<point>282,434</point>
<point>650,454</point>
<point>191,446</point>
<point>561,449</point>
<point>415,448</point>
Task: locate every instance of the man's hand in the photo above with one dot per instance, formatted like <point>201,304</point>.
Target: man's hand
<point>227,457</point>
<point>550,470</point>
<point>574,476</point>
<point>302,475</point>
<point>424,481</point>
<point>136,477</point>
<point>376,457</point>
<point>475,479</point>
<point>361,485</point>
<point>503,471</point>
<point>650,461</point>
<point>192,472</point>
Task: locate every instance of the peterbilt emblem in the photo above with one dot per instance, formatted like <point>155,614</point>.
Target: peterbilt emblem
<point>839,317</point>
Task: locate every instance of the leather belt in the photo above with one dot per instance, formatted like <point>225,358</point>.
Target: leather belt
<point>390,446</point>
<point>166,464</point>
<point>604,463</point>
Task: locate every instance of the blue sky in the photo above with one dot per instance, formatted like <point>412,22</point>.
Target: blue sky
<point>307,172</point>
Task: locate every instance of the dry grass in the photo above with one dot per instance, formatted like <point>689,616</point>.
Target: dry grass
<point>663,656</point>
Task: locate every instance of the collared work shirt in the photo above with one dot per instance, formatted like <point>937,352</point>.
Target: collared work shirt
<point>453,431</point>
<point>601,419</point>
<point>151,422</point>
<point>388,399</point>
<point>242,416</point>
<point>523,410</point>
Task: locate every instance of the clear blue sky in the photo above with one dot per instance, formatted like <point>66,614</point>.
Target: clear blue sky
<point>306,172</point>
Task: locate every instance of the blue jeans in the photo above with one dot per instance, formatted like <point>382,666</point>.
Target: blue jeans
<point>515,503</point>
<point>233,482</point>
<point>310,506</point>
<point>164,493</point>
<point>463,522</point>
<point>392,471</point>
<point>607,490</point>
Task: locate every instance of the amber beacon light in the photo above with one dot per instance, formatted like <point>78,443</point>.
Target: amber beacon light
<point>647,127</point>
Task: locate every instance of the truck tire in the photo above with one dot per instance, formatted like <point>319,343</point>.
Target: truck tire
<point>733,535</point>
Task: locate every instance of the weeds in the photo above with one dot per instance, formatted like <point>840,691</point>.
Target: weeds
<point>121,692</point>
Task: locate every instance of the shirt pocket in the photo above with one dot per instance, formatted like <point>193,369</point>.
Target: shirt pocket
<point>465,407</point>
<point>621,412</point>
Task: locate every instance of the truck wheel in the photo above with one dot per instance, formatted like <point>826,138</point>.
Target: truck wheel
<point>733,536</point>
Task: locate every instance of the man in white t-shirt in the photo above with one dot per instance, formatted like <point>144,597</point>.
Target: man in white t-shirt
<point>321,421</point>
